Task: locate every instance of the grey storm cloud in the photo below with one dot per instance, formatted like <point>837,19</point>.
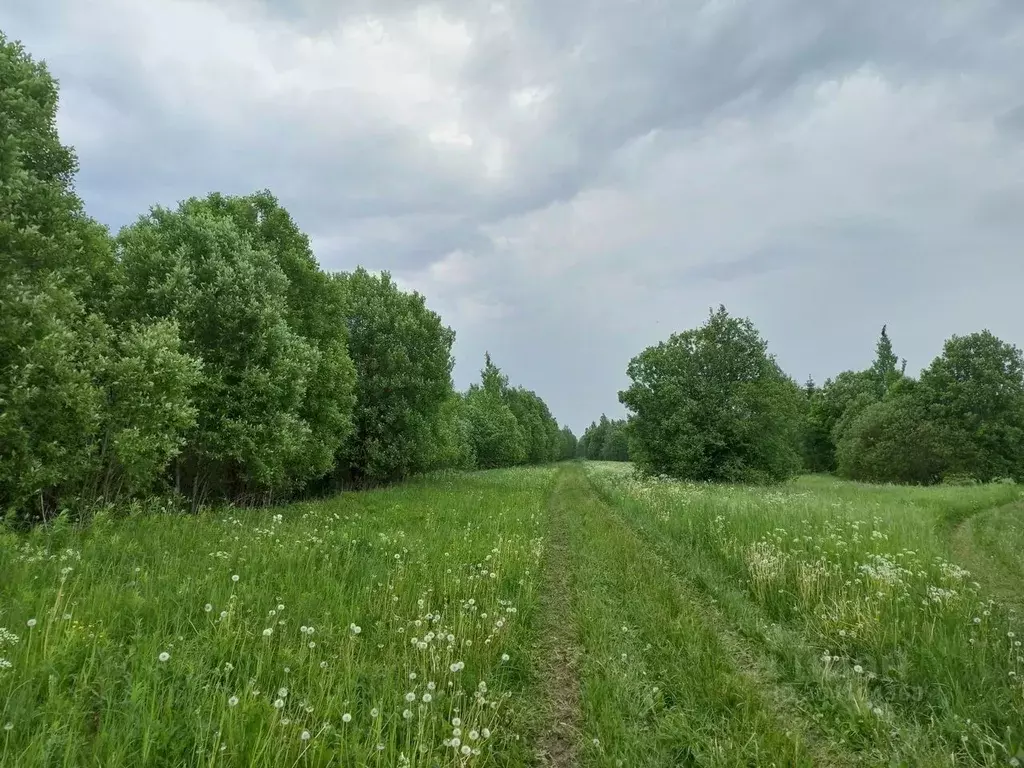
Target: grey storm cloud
<point>570,182</point>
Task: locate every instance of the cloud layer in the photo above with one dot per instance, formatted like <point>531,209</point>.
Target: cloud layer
<point>570,182</point>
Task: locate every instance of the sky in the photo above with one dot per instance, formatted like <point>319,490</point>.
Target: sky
<point>569,182</point>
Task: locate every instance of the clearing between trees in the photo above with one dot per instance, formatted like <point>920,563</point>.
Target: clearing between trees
<point>570,615</point>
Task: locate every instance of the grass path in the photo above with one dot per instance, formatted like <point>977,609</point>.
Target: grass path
<point>660,684</point>
<point>990,544</point>
<point>558,649</point>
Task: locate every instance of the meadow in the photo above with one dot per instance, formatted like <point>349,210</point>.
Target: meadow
<point>564,615</point>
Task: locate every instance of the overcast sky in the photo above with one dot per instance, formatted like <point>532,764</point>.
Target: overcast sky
<point>568,182</point>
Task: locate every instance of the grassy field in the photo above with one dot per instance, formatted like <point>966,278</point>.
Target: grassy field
<point>562,616</point>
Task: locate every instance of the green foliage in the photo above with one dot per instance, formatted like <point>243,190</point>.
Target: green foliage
<point>712,404</point>
<point>567,444</point>
<point>228,298</point>
<point>206,350</point>
<point>499,440</point>
<point>453,437</point>
<point>539,427</point>
<point>512,425</point>
<point>605,440</point>
<point>893,441</point>
<point>148,409</point>
<point>975,390</point>
<point>402,355</point>
<point>314,308</point>
<point>86,412</point>
<point>965,418</point>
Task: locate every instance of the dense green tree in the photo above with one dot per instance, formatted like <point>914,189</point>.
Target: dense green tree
<point>539,426</point>
<point>975,391</point>
<point>85,413</point>
<point>712,404</point>
<point>314,309</point>
<point>498,438</point>
<point>228,298</point>
<point>886,369</point>
<point>403,360</point>
<point>894,441</point>
<point>605,440</point>
<point>567,444</point>
<point>616,441</point>
<point>452,441</point>
<point>825,416</point>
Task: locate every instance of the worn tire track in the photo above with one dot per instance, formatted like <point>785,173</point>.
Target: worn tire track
<point>558,648</point>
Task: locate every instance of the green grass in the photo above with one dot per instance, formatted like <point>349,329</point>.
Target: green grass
<point>849,592</point>
<point>608,620</point>
<point>436,573</point>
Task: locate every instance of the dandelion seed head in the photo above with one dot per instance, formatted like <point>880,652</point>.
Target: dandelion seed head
<point>164,656</point>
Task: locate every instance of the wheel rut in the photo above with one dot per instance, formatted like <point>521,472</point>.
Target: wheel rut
<point>559,648</point>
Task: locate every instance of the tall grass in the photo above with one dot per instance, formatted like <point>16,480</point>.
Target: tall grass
<point>898,650</point>
<point>383,628</point>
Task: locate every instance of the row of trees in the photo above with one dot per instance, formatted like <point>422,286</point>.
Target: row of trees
<point>712,404</point>
<point>961,419</point>
<point>604,440</point>
<point>511,425</point>
<point>203,350</point>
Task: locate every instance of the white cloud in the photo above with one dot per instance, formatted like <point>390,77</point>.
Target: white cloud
<point>567,183</point>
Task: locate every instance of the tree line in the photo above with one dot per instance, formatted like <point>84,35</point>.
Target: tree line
<point>202,352</point>
<point>604,440</point>
<point>711,404</point>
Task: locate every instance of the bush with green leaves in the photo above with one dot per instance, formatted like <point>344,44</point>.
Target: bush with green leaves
<point>712,404</point>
